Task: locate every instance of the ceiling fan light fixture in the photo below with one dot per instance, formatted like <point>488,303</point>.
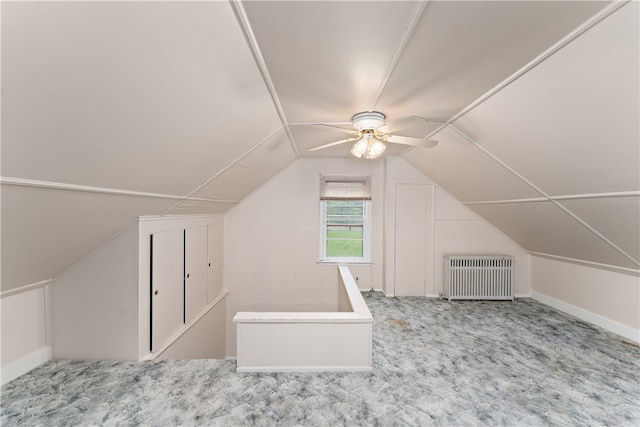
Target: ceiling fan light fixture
<point>368,147</point>
<point>375,149</point>
<point>372,134</point>
<point>368,120</point>
<point>359,148</point>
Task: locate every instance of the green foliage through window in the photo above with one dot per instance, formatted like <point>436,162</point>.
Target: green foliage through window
<point>345,221</point>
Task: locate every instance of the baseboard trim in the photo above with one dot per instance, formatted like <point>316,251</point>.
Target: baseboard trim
<point>588,316</point>
<point>264,369</point>
<point>23,365</point>
<point>517,296</point>
<point>425,296</point>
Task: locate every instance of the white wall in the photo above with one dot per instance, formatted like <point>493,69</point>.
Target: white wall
<point>455,229</point>
<point>459,230</point>
<point>304,346</point>
<point>204,340</point>
<point>320,341</point>
<point>272,243</point>
<point>26,330</point>
<point>272,238</point>
<point>95,303</point>
<point>606,298</point>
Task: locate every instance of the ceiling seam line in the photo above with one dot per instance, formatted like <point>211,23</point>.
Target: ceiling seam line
<point>544,194</point>
<point>129,224</point>
<point>93,248</point>
<point>597,195</point>
<point>25,288</point>
<point>52,280</point>
<point>507,201</point>
<point>242,156</point>
<point>606,195</point>
<point>404,41</point>
<point>574,34</point>
<point>497,160</point>
<point>622,270</point>
<point>557,46</point>
<point>323,123</point>
<point>50,185</point>
<point>243,20</point>
<point>596,232</point>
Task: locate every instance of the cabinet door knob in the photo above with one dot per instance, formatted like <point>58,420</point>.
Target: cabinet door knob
<point>187,275</point>
<point>156,292</point>
<point>209,264</point>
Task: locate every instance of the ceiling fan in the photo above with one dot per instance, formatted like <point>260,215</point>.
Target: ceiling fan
<point>371,135</point>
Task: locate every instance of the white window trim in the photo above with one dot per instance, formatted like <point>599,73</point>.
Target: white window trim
<point>366,238</point>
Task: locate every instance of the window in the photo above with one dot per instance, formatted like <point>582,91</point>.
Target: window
<point>345,219</point>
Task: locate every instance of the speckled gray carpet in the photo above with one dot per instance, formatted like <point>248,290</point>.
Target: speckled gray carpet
<point>435,363</point>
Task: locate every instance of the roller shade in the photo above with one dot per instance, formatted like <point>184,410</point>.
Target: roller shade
<point>345,188</point>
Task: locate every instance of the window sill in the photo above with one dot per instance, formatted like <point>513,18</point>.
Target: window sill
<point>343,262</point>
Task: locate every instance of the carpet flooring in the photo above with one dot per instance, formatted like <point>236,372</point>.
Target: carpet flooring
<point>435,363</point>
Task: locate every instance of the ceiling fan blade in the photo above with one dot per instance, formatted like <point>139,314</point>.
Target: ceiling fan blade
<point>403,123</point>
<point>331,144</point>
<point>338,128</point>
<point>415,142</point>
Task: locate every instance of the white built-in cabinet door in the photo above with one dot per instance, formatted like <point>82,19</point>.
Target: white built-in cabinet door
<point>166,286</point>
<point>195,271</point>
<point>411,204</point>
<point>215,247</point>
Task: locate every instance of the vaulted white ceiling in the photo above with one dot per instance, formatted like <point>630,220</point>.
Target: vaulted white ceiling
<point>112,110</point>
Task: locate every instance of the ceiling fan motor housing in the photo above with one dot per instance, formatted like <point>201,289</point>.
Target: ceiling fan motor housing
<point>368,120</point>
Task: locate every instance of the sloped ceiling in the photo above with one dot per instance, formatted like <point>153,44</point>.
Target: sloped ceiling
<point>112,110</point>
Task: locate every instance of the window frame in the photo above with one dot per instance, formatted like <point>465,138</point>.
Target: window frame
<point>366,230</point>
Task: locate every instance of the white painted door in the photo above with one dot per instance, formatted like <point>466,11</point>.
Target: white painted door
<point>166,286</point>
<point>411,239</point>
<point>195,271</point>
<point>214,247</point>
